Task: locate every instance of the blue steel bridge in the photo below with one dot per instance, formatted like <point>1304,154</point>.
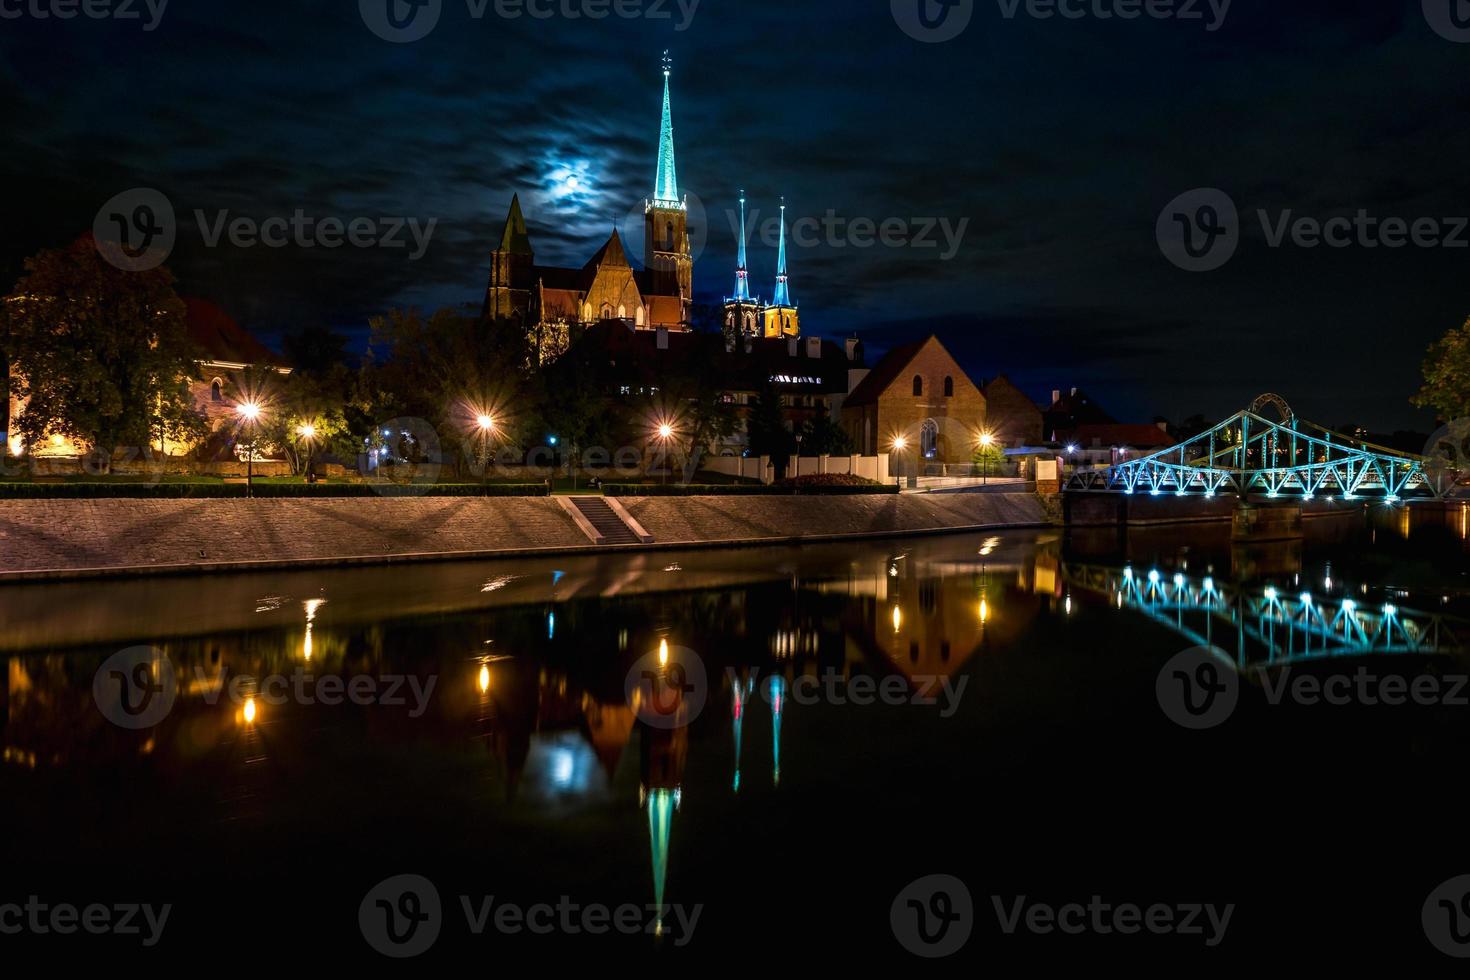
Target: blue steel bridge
<point>1262,626</point>
<point>1252,454</point>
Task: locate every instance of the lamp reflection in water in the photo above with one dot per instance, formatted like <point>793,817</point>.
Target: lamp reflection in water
<point>311,606</point>
<point>776,692</point>
<point>742,688</point>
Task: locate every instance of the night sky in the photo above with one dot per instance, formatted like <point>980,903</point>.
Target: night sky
<point>1058,141</point>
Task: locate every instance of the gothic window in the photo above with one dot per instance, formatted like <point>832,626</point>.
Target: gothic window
<point>607,311</point>
<point>669,237</point>
<point>216,393</point>
<point>929,439</point>
<point>948,387</point>
<point>918,386</point>
<point>622,313</point>
<point>641,317</point>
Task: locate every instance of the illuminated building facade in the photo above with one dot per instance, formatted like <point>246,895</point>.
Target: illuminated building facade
<point>556,304</point>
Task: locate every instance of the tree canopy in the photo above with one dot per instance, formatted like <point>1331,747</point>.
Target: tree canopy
<point>101,355</point>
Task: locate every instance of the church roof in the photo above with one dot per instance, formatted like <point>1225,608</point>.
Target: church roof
<point>221,340</point>
<point>610,254</point>
<point>884,373</point>
<point>515,239</point>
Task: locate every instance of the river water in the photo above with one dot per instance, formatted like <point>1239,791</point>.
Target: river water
<point>768,745</point>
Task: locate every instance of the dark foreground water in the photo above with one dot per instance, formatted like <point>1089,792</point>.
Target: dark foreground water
<point>772,745</point>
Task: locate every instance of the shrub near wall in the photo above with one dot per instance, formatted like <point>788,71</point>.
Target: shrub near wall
<point>200,491</point>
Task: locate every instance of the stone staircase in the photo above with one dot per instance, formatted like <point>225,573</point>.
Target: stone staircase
<point>605,521</point>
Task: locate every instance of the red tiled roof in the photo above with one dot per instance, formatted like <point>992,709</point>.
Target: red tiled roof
<point>883,374</point>
<point>220,338</point>
<point>1139,436</point>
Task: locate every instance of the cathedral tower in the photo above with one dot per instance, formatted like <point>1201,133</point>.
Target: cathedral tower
<point>742,313</point>
<point>666,218</point>
<point>782,319</point>
<point>512,265</point>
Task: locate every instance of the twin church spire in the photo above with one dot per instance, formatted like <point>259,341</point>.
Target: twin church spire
<point>745,316</point>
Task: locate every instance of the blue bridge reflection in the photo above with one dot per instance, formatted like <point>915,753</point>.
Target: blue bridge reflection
<point>1261,625</point>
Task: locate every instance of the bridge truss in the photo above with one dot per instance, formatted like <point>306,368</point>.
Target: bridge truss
<point>1250,454</point>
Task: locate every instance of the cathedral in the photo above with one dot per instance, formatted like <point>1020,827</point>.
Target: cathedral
<point>556,305</point>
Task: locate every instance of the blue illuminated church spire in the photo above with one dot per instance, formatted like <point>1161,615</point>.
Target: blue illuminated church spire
<point>666,183</point>
<point>783,293</point>
<point>742,272</point>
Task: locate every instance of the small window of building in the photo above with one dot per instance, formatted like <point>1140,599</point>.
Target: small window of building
<point>918,386</point>
<point>216,391</point>
<point>949,387</point>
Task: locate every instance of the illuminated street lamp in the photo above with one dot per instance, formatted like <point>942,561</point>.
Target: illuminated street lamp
<point>486,425</point>
<point>986,441</point>
<point>307,432</point>
<point>900,443</point>
<point>665,433</point>
<point>250,413</point>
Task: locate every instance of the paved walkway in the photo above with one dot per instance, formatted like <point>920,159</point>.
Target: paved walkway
<point>78,538</point>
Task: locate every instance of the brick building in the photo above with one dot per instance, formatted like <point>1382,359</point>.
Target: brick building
<point>918,391</point>
<point>1011,416</point>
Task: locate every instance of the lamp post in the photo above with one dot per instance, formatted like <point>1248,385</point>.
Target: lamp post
<point>665,433</point>
<point>986,441</point>
<point>486,426</point>
<point>900,443</point>
<point>308,434</point>
<point>250,412</point>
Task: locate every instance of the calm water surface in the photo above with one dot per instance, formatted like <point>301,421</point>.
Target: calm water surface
<point>494,746</point>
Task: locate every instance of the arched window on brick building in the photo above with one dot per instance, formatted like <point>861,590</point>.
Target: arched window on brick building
<point>918,386</point>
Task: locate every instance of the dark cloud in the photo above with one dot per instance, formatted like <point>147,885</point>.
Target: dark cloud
<point>1059,141</point>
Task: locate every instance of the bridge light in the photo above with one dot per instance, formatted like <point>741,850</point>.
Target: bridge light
<point>1348,606</point>
<point>1209,584</point>
<point>1390,610</point>
<point>1128,574</point>
<point>1306,598</point>
<point>1178,581</point>
<point>1154,492</point>
<point>1270,593</point>
<point>1153,576</point>
<point>1392,498</point>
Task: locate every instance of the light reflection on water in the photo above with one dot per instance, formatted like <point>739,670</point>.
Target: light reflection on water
<point>528,719</point>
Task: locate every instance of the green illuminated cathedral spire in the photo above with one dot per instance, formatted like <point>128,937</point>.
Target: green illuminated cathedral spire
<point>666,219</point>
<point>666,183</point>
